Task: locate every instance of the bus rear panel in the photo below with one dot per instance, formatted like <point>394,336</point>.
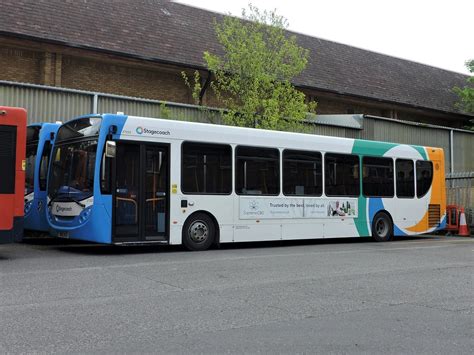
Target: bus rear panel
<point>12,176</point>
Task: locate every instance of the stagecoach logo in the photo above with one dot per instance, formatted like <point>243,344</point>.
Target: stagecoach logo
<point>152,132</point>
<point>63,209</point>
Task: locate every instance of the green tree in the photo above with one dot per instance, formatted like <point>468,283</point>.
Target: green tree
<point>466,94</point>
<point>252,78</point>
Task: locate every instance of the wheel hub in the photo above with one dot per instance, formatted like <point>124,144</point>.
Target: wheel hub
<point>198,232</point>
<point>381,227</point>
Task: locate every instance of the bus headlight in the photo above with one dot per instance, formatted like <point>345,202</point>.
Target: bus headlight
<point>84,215</point>
<point>28,205</point>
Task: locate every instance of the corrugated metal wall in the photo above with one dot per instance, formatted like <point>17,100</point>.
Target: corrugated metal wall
<point>46,105</point>
<point>150,108</point>
<point>51,104</point>
<point>113,105</point>
<point>463,144</point>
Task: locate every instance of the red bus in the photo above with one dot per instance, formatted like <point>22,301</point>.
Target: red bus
<point>12,173</point>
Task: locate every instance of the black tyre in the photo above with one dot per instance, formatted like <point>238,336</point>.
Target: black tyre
<point>382,227</point>
<point>199,232</point>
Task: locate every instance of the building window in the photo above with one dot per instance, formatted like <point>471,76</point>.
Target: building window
<point>424,177</point>
<point>302,173</point>
<point>405,178</point>
<point>377,177</point>
<point>341,173</point>
<point>257,171</point>
<point>206,168</point>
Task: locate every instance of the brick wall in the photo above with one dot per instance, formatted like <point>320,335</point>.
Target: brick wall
<point>20,65</point>
<point>93,75</point>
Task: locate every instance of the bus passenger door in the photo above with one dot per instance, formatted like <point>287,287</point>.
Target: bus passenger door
<point>156,193</point>
<point>126,193</point>
<point>141,196</point>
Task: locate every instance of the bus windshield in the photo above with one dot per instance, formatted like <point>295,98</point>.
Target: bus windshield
<point>32,140</point>
<point>72,170</point>
<point>30,168</point>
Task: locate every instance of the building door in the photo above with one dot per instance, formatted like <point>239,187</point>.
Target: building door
<point>141,193</point>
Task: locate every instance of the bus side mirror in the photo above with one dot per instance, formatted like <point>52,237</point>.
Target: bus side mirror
<point>110,149</point>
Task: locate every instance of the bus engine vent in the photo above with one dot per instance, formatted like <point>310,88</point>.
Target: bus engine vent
<point>434,212</point>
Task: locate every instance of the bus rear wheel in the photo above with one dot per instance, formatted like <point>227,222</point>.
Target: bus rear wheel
<point>199,232</point>
<point>382,227</point>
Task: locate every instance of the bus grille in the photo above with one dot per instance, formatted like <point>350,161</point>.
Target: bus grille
<point>434,212</point>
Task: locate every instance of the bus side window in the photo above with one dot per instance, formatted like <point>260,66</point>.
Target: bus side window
<point>378,177</point>
<point>341,174</point>
<point>405,178</point>
<point>302,173</point>
<point>257,171</point>
<point>424,177</point>
<point>206,168</point>
<point>44,163</point>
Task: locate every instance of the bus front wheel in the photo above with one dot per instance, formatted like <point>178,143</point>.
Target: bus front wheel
<point>382,227</point>
<point>198,232</point>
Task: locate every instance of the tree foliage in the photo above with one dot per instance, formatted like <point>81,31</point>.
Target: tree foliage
<point>252,78</point>
<point>466,94</point>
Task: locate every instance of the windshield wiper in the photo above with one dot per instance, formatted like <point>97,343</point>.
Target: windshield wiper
<point>76,201</point>
<point>69,198</point>
<point>52,199</point>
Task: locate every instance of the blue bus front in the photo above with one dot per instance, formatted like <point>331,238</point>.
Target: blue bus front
<point>79,196</point>
<point>39,142</point>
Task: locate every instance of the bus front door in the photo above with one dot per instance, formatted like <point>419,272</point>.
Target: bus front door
<point>141,194</point>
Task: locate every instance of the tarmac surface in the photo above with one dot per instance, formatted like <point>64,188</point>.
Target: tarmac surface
<point>328,296</point>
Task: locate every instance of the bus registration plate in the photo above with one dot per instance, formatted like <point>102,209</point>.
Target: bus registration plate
<point>63,235</point>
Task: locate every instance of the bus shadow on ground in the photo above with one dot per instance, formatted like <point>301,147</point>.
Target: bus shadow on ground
<point>48,240</point>
<point>85,248</point>
<point>309,242</point>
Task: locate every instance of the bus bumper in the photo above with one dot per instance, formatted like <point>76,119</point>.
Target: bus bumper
<point>13,235</point>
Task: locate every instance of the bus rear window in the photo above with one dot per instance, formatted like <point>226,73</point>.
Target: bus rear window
<point>7,159</point>
<point>424,176</point>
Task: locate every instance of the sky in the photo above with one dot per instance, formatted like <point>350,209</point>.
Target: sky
<point>437,33</point>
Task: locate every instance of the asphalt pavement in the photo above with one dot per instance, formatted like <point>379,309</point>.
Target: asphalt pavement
<point>328,296</point>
